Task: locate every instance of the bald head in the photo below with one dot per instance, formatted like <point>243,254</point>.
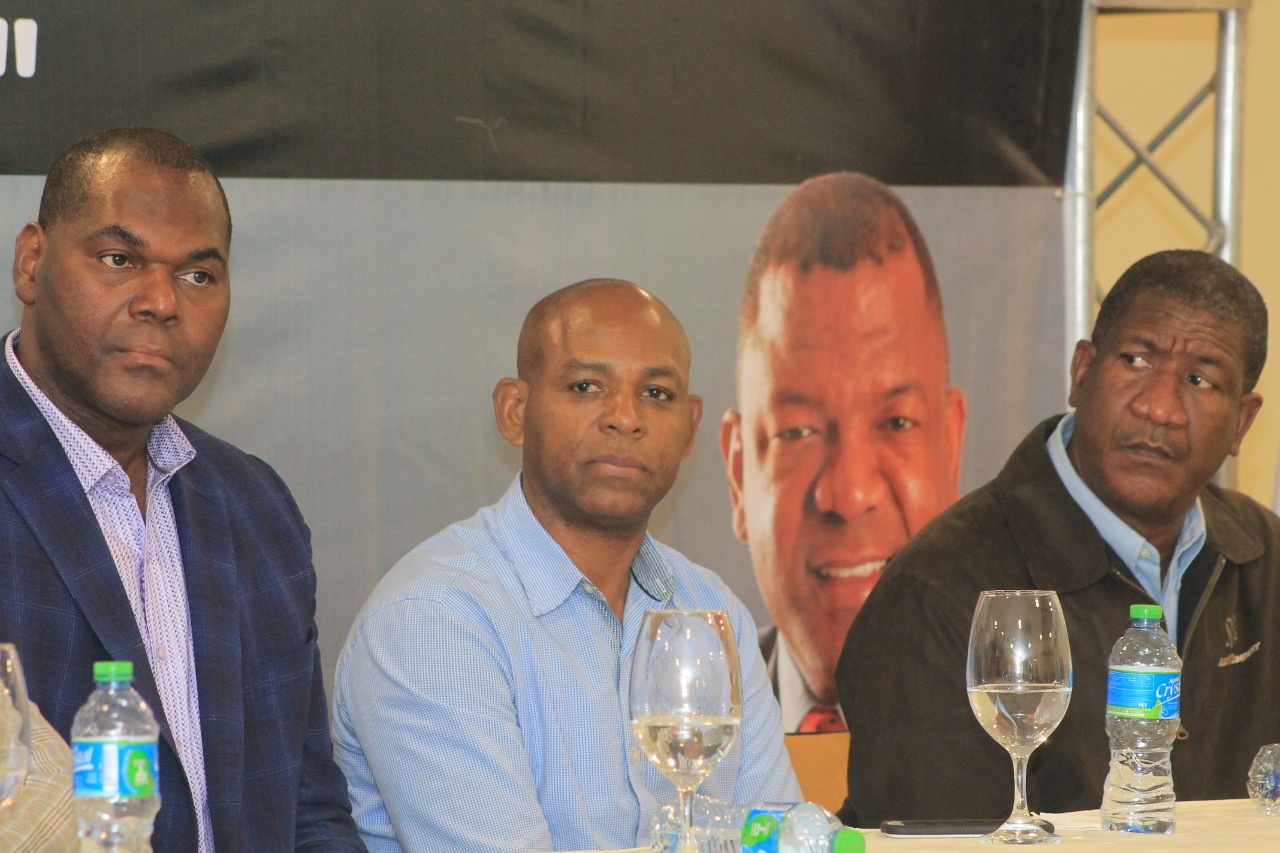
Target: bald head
<point>590,301</point>
<point>601,411</point>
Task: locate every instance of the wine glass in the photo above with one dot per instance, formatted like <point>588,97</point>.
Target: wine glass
<point>1019,679</point>
<point>686,699</point>
<point>15,724</point>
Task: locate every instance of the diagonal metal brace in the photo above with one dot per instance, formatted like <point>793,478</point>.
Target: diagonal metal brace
<point>1159,139</point>
<point>1214,231</point>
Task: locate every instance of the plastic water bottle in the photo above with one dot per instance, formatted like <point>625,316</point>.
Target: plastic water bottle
<point>801,828</point>
<point>1144,690</point>
<point>113,753</point>
<point>762,828</point>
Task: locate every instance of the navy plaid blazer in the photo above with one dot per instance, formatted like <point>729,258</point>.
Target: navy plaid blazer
<point>251,586</point>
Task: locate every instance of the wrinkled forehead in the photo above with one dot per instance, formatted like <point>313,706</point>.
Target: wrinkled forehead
<point>1166,315</point>
<point>118,180</point>
<point>1166,322</point>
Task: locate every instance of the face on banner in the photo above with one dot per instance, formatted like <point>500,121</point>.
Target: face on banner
<point>847,442</point>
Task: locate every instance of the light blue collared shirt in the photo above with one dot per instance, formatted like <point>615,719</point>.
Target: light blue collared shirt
<point>1139,555</point>
<point>480,701</point>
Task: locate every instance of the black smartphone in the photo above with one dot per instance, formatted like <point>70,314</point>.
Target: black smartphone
<point>961,828</point>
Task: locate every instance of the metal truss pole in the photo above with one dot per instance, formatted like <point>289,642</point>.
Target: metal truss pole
<point>1229,127</point>
<point>1078,192</point>
<point>1222,224</point>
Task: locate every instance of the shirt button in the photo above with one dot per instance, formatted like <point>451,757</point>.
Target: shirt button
<point>162,653</point>
<point>1145,554</point>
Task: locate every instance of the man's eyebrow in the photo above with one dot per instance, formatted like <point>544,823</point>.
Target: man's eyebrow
<point>797,398</point>
<point>663,373</point>
<point>903,390</point>
<point>210,254</point>
<point>120,233</point>
<point>1140,341</point>
<point>573,365</point>
<point>791,398</point>
<point>123,234</point>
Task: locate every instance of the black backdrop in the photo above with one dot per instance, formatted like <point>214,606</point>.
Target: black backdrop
<point>937,92</point>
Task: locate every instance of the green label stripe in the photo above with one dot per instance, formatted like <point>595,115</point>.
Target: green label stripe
<point>138,778</point>
<point>760,832</point>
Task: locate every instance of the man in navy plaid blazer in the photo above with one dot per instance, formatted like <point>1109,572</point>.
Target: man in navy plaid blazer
<point>127,534</point>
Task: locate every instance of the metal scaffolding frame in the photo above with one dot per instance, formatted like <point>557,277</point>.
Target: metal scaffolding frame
<point>1221,225</point>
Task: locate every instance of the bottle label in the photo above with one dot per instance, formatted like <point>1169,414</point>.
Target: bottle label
<point>114,767</point>
<point>760,832</point>
<point>1144,692</point>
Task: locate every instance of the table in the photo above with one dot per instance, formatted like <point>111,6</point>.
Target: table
<point>1229,825</point>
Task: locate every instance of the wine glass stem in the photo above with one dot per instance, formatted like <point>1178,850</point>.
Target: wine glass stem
<point>1020,812</point>
<point>687,844</point>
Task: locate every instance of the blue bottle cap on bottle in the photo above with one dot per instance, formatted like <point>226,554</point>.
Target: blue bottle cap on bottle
<point>1145,611</point>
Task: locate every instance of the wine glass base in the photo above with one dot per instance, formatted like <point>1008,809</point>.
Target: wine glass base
<point>1020,833</point>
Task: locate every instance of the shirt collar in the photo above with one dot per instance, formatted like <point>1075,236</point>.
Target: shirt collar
<point>545,571</point>
<point>168,448</point>
<point>794,698</point>
<point>1133,550</point>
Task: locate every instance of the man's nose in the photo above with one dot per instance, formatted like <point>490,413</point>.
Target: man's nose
<point>1161,399</point>
<point>622,413</point>
<point>156,296</point>
<point>850,482</point>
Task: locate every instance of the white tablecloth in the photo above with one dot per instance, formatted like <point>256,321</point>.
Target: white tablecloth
<point>1232,826</point>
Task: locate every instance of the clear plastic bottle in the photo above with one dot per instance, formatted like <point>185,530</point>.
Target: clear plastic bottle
<point>762,828</point>
<point>1144,690</point>
<point>809,828</point>
<point>113,751</point>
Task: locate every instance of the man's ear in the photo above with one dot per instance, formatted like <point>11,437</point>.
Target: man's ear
<point>956,414</point>
<point>1249,405</point>
<point>731,452</point>
<point>1081,360</point>
<point>28,250</point>
<point>509,399</point>
<point>695,418</point>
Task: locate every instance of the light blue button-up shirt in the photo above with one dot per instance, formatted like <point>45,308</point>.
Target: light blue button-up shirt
<point>480,701</point>
<point>1138,554</point>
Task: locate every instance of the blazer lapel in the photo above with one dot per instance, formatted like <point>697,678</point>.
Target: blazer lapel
<point>45,490</point>
<point>213,599</point>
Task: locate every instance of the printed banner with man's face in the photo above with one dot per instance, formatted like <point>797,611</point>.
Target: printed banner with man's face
<point>407,180</point>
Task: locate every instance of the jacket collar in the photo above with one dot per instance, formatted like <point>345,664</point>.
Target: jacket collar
<point>45,491</point>
<point>1059,543</point>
